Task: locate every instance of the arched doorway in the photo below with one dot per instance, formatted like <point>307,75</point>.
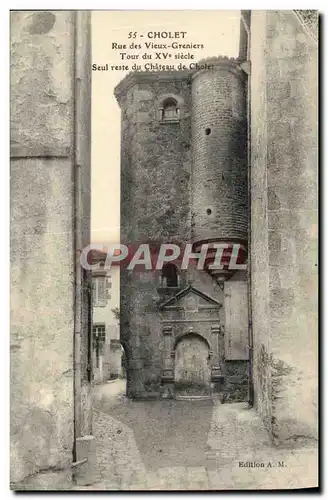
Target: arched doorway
<point>192,372</point>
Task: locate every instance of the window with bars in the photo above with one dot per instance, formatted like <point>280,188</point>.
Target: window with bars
<point>101,286</point>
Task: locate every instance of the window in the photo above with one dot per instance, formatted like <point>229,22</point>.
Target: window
<point>170,110</point>
<point>101,290</point>
<point>99,333</point>
<point>169,276</point>
<point>99,337</point>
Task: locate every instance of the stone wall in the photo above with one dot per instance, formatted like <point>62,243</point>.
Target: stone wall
<point>43,258</point>
<point>284,143</point>
<point>153,153</point>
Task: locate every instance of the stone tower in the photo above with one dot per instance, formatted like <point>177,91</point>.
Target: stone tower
<point>184,180</point>
<point>219,169</point>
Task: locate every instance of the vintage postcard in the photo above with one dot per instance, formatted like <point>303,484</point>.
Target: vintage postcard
<point>164,250</point>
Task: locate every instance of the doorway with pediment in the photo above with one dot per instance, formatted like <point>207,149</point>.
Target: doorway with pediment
<point>192,344</point>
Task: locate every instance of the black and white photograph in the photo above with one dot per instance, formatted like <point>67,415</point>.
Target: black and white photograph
<point>164,250</point>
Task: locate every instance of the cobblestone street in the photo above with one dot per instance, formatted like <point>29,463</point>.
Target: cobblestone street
<point>189,445</point>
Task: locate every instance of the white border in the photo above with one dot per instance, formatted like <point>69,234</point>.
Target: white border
<point>4,184</point>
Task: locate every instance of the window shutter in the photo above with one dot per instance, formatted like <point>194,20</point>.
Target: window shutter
<point>108,287</point>
<point>101,289</point>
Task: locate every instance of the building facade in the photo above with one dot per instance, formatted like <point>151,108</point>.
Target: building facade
<point>283,182</point>
<point>227,154</point>
<point>184,179</point>
<point>50,354</point>
<point>107,349</point>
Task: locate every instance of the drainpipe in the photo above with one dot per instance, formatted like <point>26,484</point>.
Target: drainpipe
<point>246,66</point>
<point>249,177</point>
<point>80,159</point>
<point>78,244</point>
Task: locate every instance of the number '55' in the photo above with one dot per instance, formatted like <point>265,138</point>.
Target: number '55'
<point>132,35</point>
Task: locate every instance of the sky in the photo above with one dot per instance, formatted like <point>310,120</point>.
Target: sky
<point>217,30</point>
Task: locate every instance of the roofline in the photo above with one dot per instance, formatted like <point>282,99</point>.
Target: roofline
<point>134,77</point>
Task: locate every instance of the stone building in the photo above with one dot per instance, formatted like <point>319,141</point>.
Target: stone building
<point>50,361</point>
<point>283,162</point>
<point>232,153</point>
<point>107,349</point>
<point>184,179</point>
<point>227,154</point>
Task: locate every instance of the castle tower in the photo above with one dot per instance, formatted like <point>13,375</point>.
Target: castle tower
<point>155,208</point>
<point>219,178</point>
<point>184,180</point>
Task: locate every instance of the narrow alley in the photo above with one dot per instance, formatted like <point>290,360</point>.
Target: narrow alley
<point>189,445</point>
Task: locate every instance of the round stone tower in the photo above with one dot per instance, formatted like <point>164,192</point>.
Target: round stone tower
<point>219,152</point>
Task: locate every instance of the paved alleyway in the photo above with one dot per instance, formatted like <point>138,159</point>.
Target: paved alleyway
<point>194,445</point>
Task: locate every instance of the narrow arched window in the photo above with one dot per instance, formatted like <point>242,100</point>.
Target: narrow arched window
<point>170,277</point>
<point>170,110</point>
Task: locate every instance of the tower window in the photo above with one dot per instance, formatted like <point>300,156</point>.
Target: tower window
<point>207,131</point>
<point>169,277</point>
<point>170,110</point>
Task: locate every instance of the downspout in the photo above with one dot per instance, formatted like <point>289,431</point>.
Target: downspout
<point>249,178</point>
<point>80,57</point>
<point>77,245</point>
<point>246,23</point>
